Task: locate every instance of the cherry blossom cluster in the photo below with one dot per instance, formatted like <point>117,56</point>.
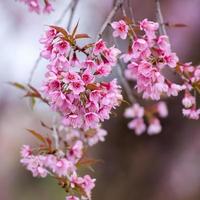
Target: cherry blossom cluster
<point>37,7</point>
<point>89,137</point>
<point>149,54</point>
<point>146,118</point>
<point>72,83</point>
<point>191,76</point>
<point>62,165</point>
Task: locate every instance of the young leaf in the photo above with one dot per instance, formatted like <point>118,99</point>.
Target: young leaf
<point>32,102</point>
<point>37,135</point>
<point>81,36</point>
<point>18,85</point>
<point>61,30</point>
<point>75,29</point>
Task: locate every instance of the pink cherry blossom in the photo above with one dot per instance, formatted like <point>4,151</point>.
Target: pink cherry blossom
<point>77,86</point>
<point>99,47</point>
<point>149,28</point>
<point>75,152</point>
<point>35,164</point>
<point>25,151</point>
<point>121,29</point>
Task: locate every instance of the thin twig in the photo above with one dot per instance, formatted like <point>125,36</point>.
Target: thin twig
<point>117,5</point>
<point>62,16</point>
<point>34,69</point>
<point>55,133</point>
<point>73,8</point>
<point>131,10</point>
<point>125,83</point>
<point>159,16</point>
<point>72,5</point>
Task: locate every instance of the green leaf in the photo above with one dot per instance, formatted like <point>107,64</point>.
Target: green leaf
<point>18,85</point>
<point>32,102</point>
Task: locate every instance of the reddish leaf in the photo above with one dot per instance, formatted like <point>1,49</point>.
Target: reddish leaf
<point>61,30</point>
<point>37,135</point>
<point>81,36</point>
<point>34,90</point>
<point>75,29</point>
<point>178,25</point>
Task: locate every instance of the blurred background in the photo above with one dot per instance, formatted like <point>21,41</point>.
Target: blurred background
<point>162,167</point>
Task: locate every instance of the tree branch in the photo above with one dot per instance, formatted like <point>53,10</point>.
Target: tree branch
<point>125,83</point>
<point>117,5</point>
<point>159,16</point>
<point>131,10</point>
<point>55,133</point>
<point>73,8</point>
<point>72,5</point>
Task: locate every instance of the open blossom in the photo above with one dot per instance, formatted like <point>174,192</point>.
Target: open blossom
<point>76,151</point>
<point>120,29</point>
<point>149,28</point>
<point>71,83</point>
<point>26,151</point>
<point>35,164</point>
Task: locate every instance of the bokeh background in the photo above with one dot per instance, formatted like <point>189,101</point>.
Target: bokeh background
<point>162,167</point>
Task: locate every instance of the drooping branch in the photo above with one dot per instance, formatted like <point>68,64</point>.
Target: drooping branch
<point>71,6</point>
<point>131,10</point>
<point>159,16</point>
<point>125,83</point>
<point>117,5</point>
<point>55,133</point>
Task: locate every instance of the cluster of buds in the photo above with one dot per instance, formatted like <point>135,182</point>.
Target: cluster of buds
<point>63,165</point>
<point>35,6</point>
<point>146,118</point>
<point>73,85</point>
